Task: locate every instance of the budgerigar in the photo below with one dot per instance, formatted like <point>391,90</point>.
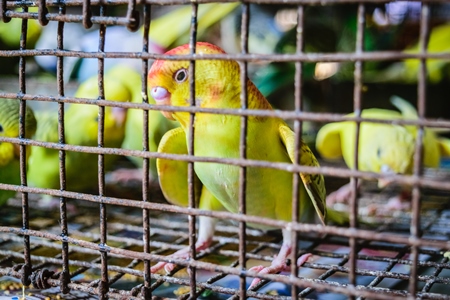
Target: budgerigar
<point>9,153</point>
<point>268,191</point>
<point>81,128</point>
<point>11,32</point>
<point>157,124</point>
<point>383,148</point>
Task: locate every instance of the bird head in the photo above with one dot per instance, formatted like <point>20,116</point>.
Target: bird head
<point>85,117</point>
<point>168,81</point>
<point>390,153</point>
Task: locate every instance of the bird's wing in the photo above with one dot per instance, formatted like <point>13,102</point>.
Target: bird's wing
<point>314,183</point>
<point>173,174</point>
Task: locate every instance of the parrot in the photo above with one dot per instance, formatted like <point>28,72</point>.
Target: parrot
<point>268,191</point>
<point>9,153</point>
<point>81,128</point>
<point>158,125</point>
<point>383,148</point>
<point>406,71</point>
<point>10,32</point>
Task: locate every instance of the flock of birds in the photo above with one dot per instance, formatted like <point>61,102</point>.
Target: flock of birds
<point>384,148</point>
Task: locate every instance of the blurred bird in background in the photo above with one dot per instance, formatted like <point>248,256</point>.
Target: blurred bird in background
<point>9,153</point>
<point>81,128</point>
<point>383,148</point>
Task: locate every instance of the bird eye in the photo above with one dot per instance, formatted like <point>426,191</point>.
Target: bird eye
<point>181,75</point>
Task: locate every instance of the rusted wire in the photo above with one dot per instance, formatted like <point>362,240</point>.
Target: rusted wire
<point>357,105</point>
<point>103,285</point>
<point>298,127</point>
<point>42,13</point>
<point>146,196</point>
<point>128,270</point>
<point>288,115</point>
<point>419,147</point>
<point>3,11</point>
<point>237,245</point>
<point>64,275</point>
<point>251,57</point>
<point>26,267</point>
<point>242,199</point>
<point>179,2</point>
<point>192,203</point>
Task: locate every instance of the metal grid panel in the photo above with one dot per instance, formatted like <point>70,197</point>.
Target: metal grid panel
<point>414,244</point>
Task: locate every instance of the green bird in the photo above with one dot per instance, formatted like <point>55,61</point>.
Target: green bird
<point>11,32</point>
<point>268,191</point>
<point>157,124</point>
<point>383,148</point>
<point>81,128</point>
<point>9,153</point>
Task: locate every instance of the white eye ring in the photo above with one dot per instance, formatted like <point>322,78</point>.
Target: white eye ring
<point>181,75</point>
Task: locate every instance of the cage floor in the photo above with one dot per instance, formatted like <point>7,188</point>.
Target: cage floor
<point>381,267</point>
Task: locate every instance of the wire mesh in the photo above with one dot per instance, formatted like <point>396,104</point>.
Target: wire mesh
<point>102,244</point>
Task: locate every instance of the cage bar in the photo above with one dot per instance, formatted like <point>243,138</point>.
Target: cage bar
<point>108,252</point>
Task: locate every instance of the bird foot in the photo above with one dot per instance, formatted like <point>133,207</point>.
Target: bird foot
<point>181,254</point>
<point>342,195</point>
<point>400,202</point>
<point>279,264</point>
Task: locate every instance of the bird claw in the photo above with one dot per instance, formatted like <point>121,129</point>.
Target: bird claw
<point>278,265</point>
<point>169,267</point>
<point>180,254</point>
<point>342,195</point>
<point>156,268</point>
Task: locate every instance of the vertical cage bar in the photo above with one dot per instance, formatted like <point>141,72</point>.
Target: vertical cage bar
<point>146,162</point>
<point>132,16</point>
<point>3,10</point>
<point>103,286</point>
<point>42,12</point>
<point>418,154</point>
<point>243,147</point>
<point>191,150</point>
<point>298,124</point>
<point>87,14</point>
<point>65,273</point>
<point>26,269</point>
<point>354,182</point>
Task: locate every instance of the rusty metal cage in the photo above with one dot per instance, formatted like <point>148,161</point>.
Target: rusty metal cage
<point>104,248</point>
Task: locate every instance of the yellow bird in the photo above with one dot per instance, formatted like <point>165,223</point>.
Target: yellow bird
<point>9,153</point>
<point>383,148</point>
<point>268,191</point>
<point>81,128</point>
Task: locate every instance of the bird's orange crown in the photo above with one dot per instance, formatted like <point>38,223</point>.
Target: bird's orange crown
<point>201,48</point>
